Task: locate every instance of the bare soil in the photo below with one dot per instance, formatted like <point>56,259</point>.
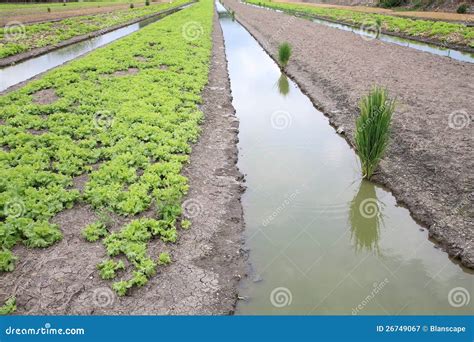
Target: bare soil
<point>429,163</point>
<point>446,16</point>
<point>45,96</point>
<point>208,260</point>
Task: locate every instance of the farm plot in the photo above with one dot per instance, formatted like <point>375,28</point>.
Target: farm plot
<point>35,12</point>
<point>17,38</point>
<point>436,31</point>
<point>111,130</point>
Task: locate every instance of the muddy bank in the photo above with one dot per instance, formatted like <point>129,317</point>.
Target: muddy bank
<point>43,50</point>
<point>208,259</point>
<point>429,163</point>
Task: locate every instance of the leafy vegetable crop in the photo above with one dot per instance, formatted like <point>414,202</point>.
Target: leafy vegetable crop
<point>129,132</point>
<point>20,39</point>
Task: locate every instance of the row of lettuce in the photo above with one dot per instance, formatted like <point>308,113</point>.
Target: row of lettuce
<point>17,38</point>
<point>444,32</point>
<point>126,115</point>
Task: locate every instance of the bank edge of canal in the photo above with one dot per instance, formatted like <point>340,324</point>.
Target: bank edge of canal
<point>427,166</point>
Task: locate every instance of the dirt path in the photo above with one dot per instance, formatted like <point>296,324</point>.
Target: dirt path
<point>43,15</point>
<point>449,16</point>
<point>208,259</point>
<point>430,159</point>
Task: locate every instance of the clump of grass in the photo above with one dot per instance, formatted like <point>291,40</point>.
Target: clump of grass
<point>284,53</point>
<point>373,128</point>
<point>390,3</point>
<point>378,22</point>
<point>49,10</point>
<point>462,9</point>
<point>147,3</point>
<point>132,6</point>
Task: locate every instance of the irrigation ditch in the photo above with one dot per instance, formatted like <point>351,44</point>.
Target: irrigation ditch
<point>320,238</point>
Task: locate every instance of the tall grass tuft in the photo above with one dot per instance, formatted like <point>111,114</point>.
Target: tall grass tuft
<point>284,53</point>
<point>373,128</point>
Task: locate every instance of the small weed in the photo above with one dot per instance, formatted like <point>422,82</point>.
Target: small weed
<point>49,10</point>
<point>284,53</point>
<point>390,3</point>
<point>185,224</point>
<point>462,9</point>
<point>147,3</point>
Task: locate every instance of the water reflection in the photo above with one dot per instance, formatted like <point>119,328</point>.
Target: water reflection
<point>366,219</point>
<point>283,85</point>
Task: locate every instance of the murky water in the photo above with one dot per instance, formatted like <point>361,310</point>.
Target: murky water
<point>426,47</point>
<point>23,71</point>
<point>321,240</point>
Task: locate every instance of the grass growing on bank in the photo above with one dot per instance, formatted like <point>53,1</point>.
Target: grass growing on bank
<point>284,53</point>
<point>434,30</point>
<point>373,129</point>
<point>16,39</point>
<point>126,116</point>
